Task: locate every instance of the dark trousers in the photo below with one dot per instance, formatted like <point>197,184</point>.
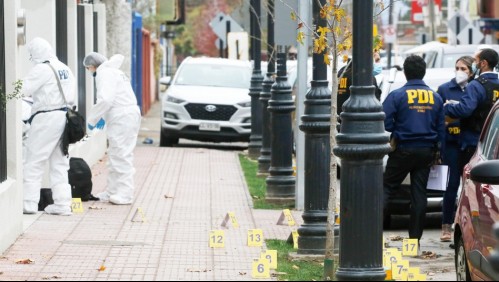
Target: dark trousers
<point>417,162</point>
<point>465,157</point>
<point>451,158</point>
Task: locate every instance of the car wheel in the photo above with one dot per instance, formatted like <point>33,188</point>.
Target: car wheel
<point>462,270</point>
<point>167,141</point>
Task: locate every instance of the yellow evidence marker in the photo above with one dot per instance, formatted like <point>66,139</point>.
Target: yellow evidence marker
<point>286,214</point>
<point>271,256</point>
<point>255,238</point>
<point>295,238</point>
<point>76,205</point>
<point>410,247</point>
<point>217,239</point>
<point>260,269</point>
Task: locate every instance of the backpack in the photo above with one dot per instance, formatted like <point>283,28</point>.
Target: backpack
<point>80,179</point>
<point>477,120</point>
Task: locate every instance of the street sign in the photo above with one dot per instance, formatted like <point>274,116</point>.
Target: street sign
<point>457,23</point>
<point>470,35</point>
<point>390,34</point>
<point>219,25</point>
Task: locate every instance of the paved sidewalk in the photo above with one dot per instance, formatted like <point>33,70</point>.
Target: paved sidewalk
<point>183,193</point>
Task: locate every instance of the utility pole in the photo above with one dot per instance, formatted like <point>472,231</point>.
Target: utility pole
<point>431,6</point>
<point>390,45</point>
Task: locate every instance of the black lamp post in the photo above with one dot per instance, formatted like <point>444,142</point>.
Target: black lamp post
<point>316,125</point>
<point>264,159</point>
<point>256,83</point>
<point>281,182</point>
<point>362,144</point>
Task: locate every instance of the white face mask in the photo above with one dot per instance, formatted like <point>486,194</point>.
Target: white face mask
<point>461,77</point>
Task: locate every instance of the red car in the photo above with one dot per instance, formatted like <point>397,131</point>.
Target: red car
<point>478,208</point>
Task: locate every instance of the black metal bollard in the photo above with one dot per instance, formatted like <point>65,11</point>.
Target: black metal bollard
<point>316,125</point>
<point>281,182</point>
<point>265,152</point>
<point>362,144</point>
<point>256,84</point>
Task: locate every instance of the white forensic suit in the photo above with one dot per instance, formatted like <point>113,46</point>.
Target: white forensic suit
<point>47,126</point>
<point>117,105</point>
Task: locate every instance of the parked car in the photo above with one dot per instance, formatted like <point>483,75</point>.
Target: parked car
<point>478,207</point>
<point>441,55</point>
<point>207,100</point>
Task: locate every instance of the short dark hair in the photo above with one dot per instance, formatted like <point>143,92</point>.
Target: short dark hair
<point>414,67</point>
<point>489,55</point>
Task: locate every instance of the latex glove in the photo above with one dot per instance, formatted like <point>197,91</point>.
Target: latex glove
<point>91,127</point>
<point>100,124</point>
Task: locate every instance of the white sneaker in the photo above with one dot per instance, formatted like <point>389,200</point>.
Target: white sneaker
<point>103,196</point>
<point>30,207</point>
<point>58,210</point>
<point>117,200</point>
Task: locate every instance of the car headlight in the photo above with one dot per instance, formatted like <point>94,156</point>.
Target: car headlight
<point>174,100</point>
<point>245,104</point>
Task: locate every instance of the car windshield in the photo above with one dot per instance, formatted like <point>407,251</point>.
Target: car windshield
<point>450,59</point>
<point>214,75</point>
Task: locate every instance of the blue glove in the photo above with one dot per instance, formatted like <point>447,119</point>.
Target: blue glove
<point>100,124</point>
<point>91,127</point>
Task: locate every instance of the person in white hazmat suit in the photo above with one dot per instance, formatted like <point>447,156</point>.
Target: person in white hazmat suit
<point>48,120</point>
<point>117,108</point>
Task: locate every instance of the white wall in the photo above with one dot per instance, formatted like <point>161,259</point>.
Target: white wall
<point>11,190</point>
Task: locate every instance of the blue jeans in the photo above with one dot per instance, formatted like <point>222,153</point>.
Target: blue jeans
<point>451,157</point>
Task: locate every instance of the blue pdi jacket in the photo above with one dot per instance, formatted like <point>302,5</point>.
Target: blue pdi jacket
<point>474,96</point>
<point>415,116</point>
<point>451,91</point>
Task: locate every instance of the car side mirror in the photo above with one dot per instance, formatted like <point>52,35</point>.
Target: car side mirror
<point>486,173</point>
<point>165,80</point>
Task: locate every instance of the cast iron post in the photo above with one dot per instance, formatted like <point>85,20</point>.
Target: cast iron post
<point>316,124</point>
<point>264,159</point>
<point>362,144</point>
<point>256,84</point>
<point>281,182</point>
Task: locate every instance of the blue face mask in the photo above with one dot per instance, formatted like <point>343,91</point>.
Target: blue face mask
<point>377,68</point>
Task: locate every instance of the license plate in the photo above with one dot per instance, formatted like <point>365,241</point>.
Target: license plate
<point>209,126</point>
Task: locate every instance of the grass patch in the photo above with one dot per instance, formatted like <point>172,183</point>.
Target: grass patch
<point>295,270</point>
<point>256,185</point>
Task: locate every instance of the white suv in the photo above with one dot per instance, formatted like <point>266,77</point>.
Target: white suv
<point>207,100</point>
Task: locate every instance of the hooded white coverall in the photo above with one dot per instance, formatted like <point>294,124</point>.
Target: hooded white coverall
<point>117,104</point>
<point>43,141</point>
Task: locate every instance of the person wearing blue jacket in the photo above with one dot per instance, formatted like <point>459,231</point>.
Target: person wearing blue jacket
<point>453,91</point>
<point>475,104</point>
<point>415,118</point>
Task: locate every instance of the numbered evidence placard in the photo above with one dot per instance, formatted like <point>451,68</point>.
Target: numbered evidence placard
<point>217,239</point>
<point>230,216</point>
<point>400,270</point>
<point>255,238</point>
<point>295,235</point>
<point>76,205</point>
<point>286,215</point>
<point>410,248</point>
<point>415,275</point>
<point>391,255</point>
<point>271,257</point>
<point>260,269</point>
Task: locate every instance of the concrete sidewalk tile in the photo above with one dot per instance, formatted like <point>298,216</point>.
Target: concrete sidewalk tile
<point>183,194</point>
